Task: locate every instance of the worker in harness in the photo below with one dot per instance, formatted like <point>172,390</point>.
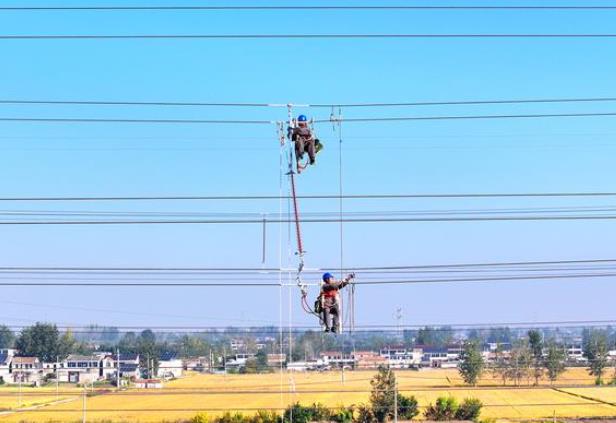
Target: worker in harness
<point>330,300</point>
<point>304,141</point>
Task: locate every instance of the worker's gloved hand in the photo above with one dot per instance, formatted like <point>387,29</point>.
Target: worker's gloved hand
<point>351,276</point>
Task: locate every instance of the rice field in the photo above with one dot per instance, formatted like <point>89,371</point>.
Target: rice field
<point>213,394</point>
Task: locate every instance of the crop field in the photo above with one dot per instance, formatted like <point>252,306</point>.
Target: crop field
<point>213,394</point>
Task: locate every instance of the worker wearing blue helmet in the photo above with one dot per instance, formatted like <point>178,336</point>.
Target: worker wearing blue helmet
<point>304,141</point>
<point>330,300</point>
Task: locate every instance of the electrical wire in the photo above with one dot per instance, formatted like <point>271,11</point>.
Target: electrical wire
<point>184,283</point>
<point>316,105</point>
<point>302,7</point>
<point>301,36</point>
<point>313,197</point>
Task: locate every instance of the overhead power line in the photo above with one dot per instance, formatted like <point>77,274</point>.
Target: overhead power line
<point>310,220</point>
<point>314,196</point>
<point>278,285</point>
<point>272,269</point>
<point>291,36</point>
<point>318,105</point>
<point>299,7</point>
<point>268,122</point>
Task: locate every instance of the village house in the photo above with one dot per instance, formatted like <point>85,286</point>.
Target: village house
<point>169,366</point>
<point>129,365</point>
<point>197,364</point>
<point>86,368</point>
<point>369,360</point>
<point>337,359</point>
<point>5,362</point>
<point>399,357</point>
<point>276,360</point>
<point>25,370</point>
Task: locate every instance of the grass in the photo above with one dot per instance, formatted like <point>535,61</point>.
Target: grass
<point>183,398</point>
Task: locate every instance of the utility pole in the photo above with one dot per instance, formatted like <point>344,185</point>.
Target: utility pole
<point>57,378</point>
<point>118,368</point>
<point>21,375</point>
<point>85,390</point>
<point>396,402</point>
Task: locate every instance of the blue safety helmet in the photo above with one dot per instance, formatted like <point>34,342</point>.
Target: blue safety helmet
<point>326,276</point>
<point>302,118</point>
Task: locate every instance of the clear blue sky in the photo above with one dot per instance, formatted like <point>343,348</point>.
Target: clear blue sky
<point>432,157</point>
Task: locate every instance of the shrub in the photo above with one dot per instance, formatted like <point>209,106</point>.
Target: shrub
<point>407,407</point>
<point>231,418</point>
<point>264,416</point>
<point>342,415</point>
<point>302,414</point>
<point>443,409</point>
<point>469,409</point>
<point>364,414</point>
<point>200,418</point>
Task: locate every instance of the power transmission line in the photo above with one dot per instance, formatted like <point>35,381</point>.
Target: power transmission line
<point>273,269</point>
<point>268,122</point>
<point>309,220</point>
<point>313,197</point>
<point>277,285</point>
<point>300,8</point>
<point>317,105</point>
<point>299,36</point>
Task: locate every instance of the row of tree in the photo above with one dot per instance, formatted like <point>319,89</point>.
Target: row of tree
<point>532,359</point>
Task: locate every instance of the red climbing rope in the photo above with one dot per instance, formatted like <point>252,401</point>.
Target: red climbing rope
<point>300,247</point>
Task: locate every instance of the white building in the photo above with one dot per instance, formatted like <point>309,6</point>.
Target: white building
<point>5,364</point>
<point>401,357</point>
<point>575,353</point>
<point>169,366</point>
<point>129,365</point>
<point>25,370</point>
<point>86,368</point>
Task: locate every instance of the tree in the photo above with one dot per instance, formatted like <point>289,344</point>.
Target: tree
<point>436,337</point>
<point>555,361</point>
<point>471,363</point>
<point>520,362</point>
<point>408,408</point>
<point>445,408</point>
<point>43,341</point>
<point>190,346</point>
<point>148,352</point>
<point>7,337</point>
<point>382,398</point>
<point>128,343</point>
<point>469,409</point>
<point>596,349</point>
<point>536,347</point>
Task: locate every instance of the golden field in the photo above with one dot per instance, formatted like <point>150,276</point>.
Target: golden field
<point>183,398</point>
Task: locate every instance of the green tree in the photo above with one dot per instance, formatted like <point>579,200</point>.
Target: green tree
<point>7,337</point>
<point>596,349</point>
<point>445,408</point>
<point>437,337</point>
<point>128,343</point>
<point>261,359</point>
<point>148,352</point>
<point>535,341</point>
<point>408,407</point>
<point>520,362</point>
<point>469,409</point>
<point>43,340</point>
<point>383,397</point>
<point>471,363</point>
<point>555,361</point>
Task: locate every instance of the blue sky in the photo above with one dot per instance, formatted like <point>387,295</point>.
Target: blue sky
<point>539,155</point>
